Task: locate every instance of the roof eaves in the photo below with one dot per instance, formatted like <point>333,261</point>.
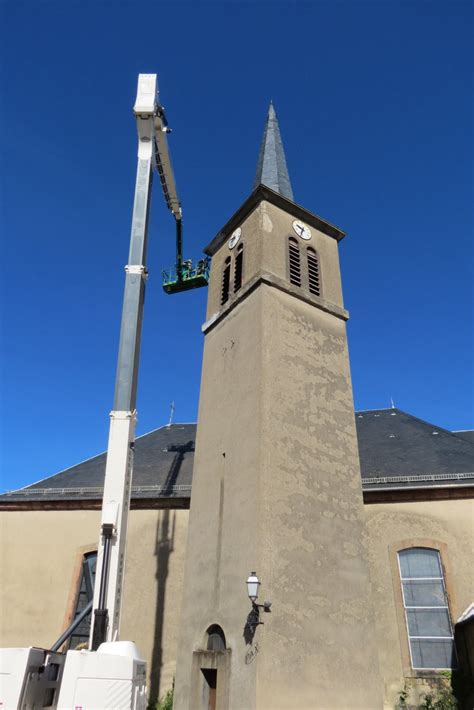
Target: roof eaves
<point>384,487</point>
<point>438,428</point>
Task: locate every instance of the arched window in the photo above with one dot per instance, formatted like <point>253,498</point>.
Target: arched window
<point>314,281</point>
<point>225,282</point>
<point>215,638</point>
<point>294,261</point>
<point>239,262</point>
<point>85,593</point>
<point>429,628</point>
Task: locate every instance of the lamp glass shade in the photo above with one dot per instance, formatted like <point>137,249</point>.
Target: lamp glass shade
<point>252,586</point>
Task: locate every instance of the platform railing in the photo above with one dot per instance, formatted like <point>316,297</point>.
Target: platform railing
<point>171,276</point>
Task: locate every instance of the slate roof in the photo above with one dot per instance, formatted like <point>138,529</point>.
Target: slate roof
<point>397,450</point>
<point>467,434</point>
<point>394,444</point>
<point>163,467</point>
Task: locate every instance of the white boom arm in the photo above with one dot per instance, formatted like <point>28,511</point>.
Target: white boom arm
<point>114,675</point>
<point>152,152</point>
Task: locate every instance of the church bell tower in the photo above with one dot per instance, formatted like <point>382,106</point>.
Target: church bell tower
<point>276,483</point>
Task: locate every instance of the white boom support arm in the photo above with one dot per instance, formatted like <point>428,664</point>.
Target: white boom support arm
<point>114,675</point>
<point>152,152</point>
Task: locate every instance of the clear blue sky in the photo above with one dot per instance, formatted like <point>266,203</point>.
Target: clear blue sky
<point>374,103</point>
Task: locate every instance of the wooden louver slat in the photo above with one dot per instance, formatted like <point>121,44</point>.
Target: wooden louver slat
<point>225,282</point>
<point>294,262</point>
<point>313,273</point>
<point>238,268</point>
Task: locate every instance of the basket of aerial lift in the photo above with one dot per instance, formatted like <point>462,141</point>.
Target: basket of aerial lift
<point>185,277</point>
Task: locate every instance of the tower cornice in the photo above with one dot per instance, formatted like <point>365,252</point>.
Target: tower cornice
<point>263,193</point>
<point>273,282</point>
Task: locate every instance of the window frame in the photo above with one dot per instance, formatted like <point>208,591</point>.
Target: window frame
<point>407,607</point>
<point>74,589</point>
<point>89,583</point>
<point>393,550</point>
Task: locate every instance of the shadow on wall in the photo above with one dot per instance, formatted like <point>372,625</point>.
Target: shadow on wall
<point>163,549</point>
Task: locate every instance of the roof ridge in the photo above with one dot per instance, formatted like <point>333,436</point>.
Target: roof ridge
<point>461,438</point>
<point>439,428</point>
<point>422,421</point>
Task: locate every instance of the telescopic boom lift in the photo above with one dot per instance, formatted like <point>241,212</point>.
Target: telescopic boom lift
<point>153,152</point>
<point>113,668</point>
<point>118,472</point>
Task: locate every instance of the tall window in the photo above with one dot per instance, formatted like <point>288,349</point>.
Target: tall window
<point>225,282</point>
<point>428,622</point>
<point>84,596</point>
<point>294,261</point>
<point>239,261</point>
<point>313,272</point>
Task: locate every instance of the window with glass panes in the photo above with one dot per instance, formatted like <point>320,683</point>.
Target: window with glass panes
<point>84,596</point>
<point>427,616</point>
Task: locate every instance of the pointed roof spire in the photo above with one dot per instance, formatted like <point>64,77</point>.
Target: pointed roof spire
<point>271,166</point>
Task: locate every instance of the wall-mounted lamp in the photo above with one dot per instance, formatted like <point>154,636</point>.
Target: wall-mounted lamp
<point>253,619</point>
<point>253,584</point>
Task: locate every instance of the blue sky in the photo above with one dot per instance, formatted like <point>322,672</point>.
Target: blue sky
<point>374,103</point>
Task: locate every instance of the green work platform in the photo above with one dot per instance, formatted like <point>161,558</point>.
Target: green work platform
<point>186,277</point>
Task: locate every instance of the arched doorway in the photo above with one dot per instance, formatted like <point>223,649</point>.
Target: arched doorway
<point>211,668</point>
<point>215,643</point>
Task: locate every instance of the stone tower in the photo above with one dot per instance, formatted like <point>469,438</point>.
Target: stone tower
<point>276,485</point>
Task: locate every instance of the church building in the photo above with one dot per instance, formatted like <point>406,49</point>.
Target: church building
<point>356,528</point>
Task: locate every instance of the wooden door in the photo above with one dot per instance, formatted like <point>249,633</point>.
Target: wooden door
<point>210,674</point>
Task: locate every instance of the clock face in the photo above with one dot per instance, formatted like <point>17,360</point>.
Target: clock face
<point>236,234</point>
<point>301,229</point>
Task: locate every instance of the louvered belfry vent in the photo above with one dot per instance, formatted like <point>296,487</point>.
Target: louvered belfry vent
<point>314,283</point>
<point>225,282</point>
<point>294,261</point>
<point>239,261</point>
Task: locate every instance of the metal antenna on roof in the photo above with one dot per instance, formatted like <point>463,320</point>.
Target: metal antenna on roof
<point>171,413</point>
<point>391,399</point>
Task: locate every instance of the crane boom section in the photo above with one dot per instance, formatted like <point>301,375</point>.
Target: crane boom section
<point>147,104</point>
<point>164,167</point>
<point>152,152</point>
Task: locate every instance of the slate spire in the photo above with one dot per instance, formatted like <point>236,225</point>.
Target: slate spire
<point>271,166</point>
